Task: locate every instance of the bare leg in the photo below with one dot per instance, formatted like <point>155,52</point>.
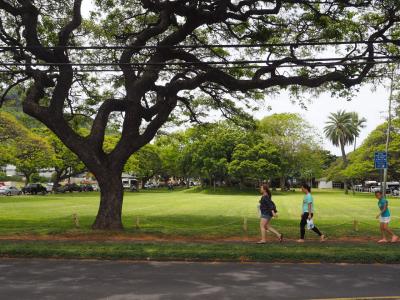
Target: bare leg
<point>263,223</point>
<point>388,230</point>
<point>382,227</point>
<point>273,230</point>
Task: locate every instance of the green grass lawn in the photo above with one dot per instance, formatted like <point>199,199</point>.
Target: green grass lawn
<point>194,213</point>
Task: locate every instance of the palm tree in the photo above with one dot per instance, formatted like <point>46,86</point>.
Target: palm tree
<point>341,131</point>
<point>358,123</point>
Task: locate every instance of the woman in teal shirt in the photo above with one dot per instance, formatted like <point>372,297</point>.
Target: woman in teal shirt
<point>307,214</point>
<point>384,218</point>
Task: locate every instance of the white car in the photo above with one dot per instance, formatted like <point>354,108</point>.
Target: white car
<point>9,191</point>
<point>375,189</point>
<point>49,187</point>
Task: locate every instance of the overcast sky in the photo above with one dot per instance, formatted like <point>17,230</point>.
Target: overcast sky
<point>371,105</point>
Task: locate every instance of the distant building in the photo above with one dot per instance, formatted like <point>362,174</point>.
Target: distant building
<point>323,183</point>
<point>47,173</point>
<point>10,170</point>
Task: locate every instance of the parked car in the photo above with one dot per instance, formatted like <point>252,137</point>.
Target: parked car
<point>86,188</point>
<point>149,186</point>
<point>71,187</point>
<point>374,189</point>
<point>9,191</point>
<point>49,187</point>
<point>34,189</point>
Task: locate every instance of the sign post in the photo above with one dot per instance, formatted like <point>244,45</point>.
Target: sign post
<point>380,162</point>
<point>385,171</point>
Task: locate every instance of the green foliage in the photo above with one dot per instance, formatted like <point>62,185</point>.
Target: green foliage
<point>361,162</point>
<point>297,143</point>
<point>341,128</point>
<point>26,150</point>
<point>149,162</point>
<point>4,177</point>
<point>35,177</point>
<point>259,162</point>
<point>65,163</point>
<point>32,153</point>
<point>213,148</point>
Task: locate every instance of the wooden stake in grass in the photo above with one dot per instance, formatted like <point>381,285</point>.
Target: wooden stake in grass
<point>75,218</point>
<point>355,225</point>
<point>137,223</point>
<point>245,227</point>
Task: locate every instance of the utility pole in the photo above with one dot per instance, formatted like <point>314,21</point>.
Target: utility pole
<point>388,133</point>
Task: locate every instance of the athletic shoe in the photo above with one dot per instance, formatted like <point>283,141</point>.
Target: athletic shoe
<point>382,241</point>
<point>395,238</point>
<point>300,241</point>
<point>323,238</point>
<point>261,242</point>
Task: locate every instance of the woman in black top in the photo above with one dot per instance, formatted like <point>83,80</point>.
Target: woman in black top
<point>267,209</point>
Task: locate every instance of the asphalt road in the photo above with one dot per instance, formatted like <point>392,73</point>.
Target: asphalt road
<point>75,279</point>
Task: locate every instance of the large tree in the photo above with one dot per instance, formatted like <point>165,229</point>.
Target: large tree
<point>297,141</point>
<point>255,162</point>
<point>66,164</point>
<point>23,148</point>
<point>342,129</point>
<point>164,63</point>
<point>11,131</point>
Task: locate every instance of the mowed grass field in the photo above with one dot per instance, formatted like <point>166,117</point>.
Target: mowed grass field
<point>195,214</point>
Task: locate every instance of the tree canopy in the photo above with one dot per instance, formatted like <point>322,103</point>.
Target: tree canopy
<point>361,161</point>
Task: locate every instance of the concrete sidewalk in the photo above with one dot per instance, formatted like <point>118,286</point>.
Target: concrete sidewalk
<point>82,279</point>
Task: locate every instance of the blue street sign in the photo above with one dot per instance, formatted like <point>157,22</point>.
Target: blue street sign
<point>380,160</point>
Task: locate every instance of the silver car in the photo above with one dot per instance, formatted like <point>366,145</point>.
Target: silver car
<point>9,191</point>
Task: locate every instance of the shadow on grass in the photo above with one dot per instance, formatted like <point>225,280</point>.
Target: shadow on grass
<point>224,191</point>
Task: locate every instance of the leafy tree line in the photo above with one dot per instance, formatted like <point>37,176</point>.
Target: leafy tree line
<point>359,164</point>
<point>282,146</point>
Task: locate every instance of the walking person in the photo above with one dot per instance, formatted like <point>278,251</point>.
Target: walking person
<point>307,214</point>
<point>384,218</point>
<point>268,211</point>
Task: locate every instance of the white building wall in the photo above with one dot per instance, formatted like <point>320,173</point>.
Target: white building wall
<point>11,170</point>
<point>325,185</point>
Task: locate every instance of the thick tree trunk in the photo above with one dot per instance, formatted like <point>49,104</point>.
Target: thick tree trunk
<point>111,197</point>
<point>187,183</point>
<point>282,182</point>
<point>27,177</point>
<point>57,179</point>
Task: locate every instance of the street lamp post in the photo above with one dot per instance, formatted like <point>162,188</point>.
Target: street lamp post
<point>385,171</point>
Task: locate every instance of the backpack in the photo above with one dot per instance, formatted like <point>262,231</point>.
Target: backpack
<point>273,205</point>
